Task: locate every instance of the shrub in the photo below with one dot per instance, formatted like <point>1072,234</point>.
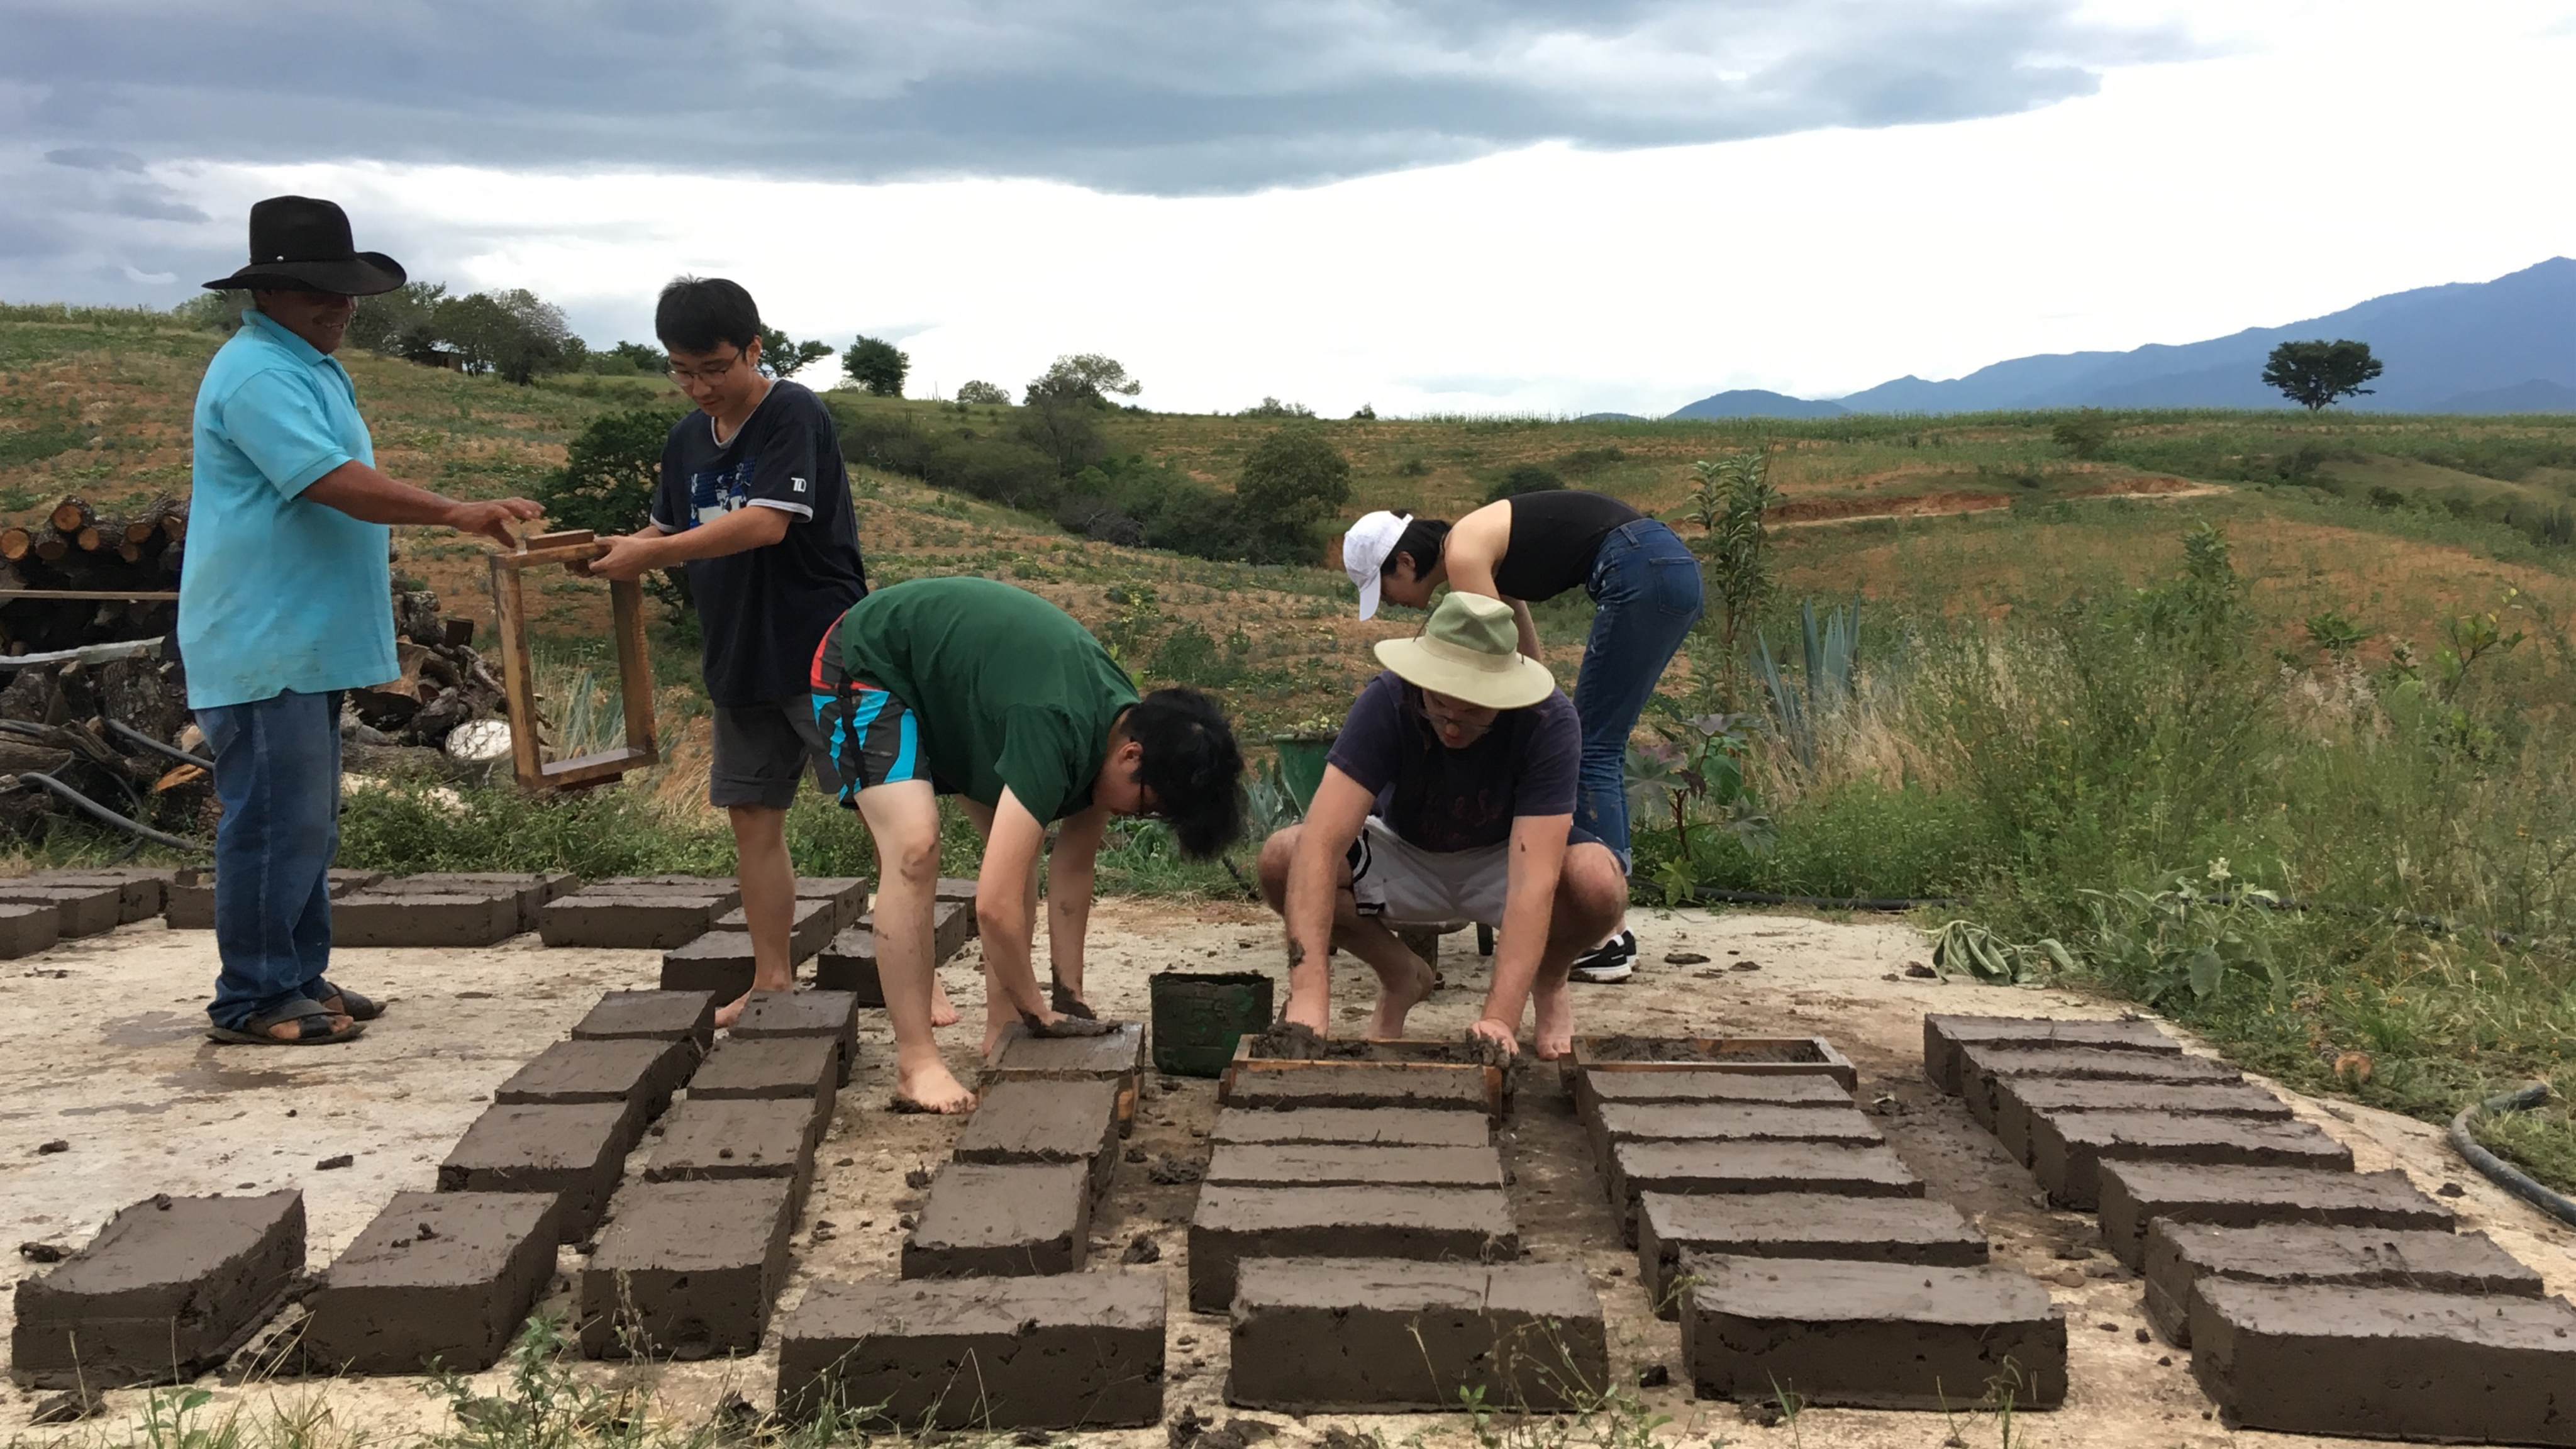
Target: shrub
<point>1525,478</point>
<point>878,366</point>
<point>990,394</point>
<point>2085,435</point>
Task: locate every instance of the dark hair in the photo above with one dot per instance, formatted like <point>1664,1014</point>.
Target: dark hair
<point>1192,766</point>
<point>696,313</point>
<point>1422,540</point>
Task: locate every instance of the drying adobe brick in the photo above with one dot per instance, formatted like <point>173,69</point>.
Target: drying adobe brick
<point>798,1068</point>
<point>2387,1363</point>
<point>1347,1165</point>
<point>1117,1057</point>
<point>1945,1035</point>
<point>1325,1335</point>
<point>1795,1225</point>
<point>849,962</point>
<point>27,929</point>
<point>1359,1126</point>
<point>638,1072</point>
<point>2017,1097</point>
<point>572,1153</point>
<point>188,903</point>
<point>988,1354</point>
<point>532,891</point>
<point>142,890</point>
<point>2180,1256</point>
<point>1981,1067</point>
<point>635,915</point>
<point>80,910</point>
<point>2134,1194</point>
<point>720,962</point>
<point>1728,1122</point>
<point>687,1270</point>
<point>2067,1152</point>
<point>376,917</point>
<point>437,1277</point>
<point>1421,1224</point>
<point>710,1139</point>
<point>809,925</point>
<point>1723,1167</point>
<point>832,1014</point>
<point>168,1288</point>
<point>848,895</point>
<point>1595,1089</point>
<point>651,1016</point>
<point>1364,1085</point>
<point>983,1220</point>
<point>1046,1122</point>
<point>1869,1335</point>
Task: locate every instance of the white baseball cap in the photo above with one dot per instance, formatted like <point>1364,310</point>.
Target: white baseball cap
<point>1364,551</point>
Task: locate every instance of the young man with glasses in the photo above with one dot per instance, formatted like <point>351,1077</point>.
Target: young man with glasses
<point>1449,795</point>
<point>754,506</point>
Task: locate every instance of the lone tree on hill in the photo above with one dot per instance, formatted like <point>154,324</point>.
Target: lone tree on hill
<point>782,358</point>
<point>1088,375</point>
<point>988,393</point>
<point>1293,479</point>
<point>876,365</point>
<point>2316,374</point>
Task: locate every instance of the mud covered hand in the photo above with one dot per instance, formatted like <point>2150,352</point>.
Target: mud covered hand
<point>1500,1037</point>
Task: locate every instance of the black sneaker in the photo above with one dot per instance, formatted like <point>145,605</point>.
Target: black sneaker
<point>1613,961</point>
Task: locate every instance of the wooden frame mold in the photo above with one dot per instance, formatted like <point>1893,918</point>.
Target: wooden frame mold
<point>518,671</point>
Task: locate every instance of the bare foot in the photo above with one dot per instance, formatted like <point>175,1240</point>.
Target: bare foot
<point>933,1089</point>
<point>731,1012</point>
<point>1555,1011</point>
<point>942,1011</point>
<point>1394,1003</point>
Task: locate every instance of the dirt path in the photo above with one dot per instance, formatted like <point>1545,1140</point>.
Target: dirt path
<point>100,1047</point>
<point>1828,512</point>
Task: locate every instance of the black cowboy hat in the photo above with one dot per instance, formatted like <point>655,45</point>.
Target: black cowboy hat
<point>300,243</point>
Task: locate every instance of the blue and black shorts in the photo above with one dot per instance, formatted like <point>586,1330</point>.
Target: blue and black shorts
<point>871,737</point>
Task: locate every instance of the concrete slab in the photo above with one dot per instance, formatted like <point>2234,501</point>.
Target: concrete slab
<point>1869,1335</point>
<point>830,1014</point>
<point>984,1354</point>
<point>1944,1035</point>
<point>810,925</point>
<point>2067,1151</point>
<point>572,1153</point>
<point>1359,1126</point>
<point>687,1270</point>
<point>1346,1165</point>
<point>987,1220</point>
<point>651,1016</point>
<point>1322,1335</point>
<point>27,928</point>
<point>1795,1225</point>
<point>377,918</point>
<point>1738,1167</point>
<point>79,910</point>
<point>638,1071</point>
<point>164,1292</point>
<point>1980,1067</point>
<point>2393,1363</point>
<point>442,1278</point>
<point>1420,1224</point>
<point>2180,1256</point>
<point>2134,1194</point>
<point>1046,1122</point>
<point>2017,1097</point>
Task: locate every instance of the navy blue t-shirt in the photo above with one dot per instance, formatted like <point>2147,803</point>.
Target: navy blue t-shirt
<point>1443,799</point>
<point>764,611</point>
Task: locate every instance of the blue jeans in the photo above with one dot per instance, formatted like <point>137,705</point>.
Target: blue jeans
<point>1645,589</point>
<point>277,772</point>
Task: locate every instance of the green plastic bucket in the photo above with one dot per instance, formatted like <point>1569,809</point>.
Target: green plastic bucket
<point>1198,1018</point>
<point>1301,763</point>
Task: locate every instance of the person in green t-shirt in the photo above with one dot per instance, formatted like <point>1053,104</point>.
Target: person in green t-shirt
<point>969,687</point>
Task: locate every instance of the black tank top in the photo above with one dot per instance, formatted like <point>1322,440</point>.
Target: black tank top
<point>1555,536</point>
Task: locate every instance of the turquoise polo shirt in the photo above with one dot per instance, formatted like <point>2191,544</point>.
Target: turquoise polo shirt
<point>279,592</point>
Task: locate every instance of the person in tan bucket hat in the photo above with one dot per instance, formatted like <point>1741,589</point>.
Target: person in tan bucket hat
<point>1449,795</point>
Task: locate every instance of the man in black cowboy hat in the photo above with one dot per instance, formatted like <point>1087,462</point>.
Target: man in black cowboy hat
<point>287,602</point>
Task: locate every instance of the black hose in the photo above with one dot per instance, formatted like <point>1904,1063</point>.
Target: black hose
<point>102,813</point>
<point>2504,1174</point>
<point>149,743</point>
<point>1832,903</point>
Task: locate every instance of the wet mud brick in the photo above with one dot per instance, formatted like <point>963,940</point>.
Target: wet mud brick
<point>374,917</point>
<point>988,1220</point>
<point>2135,1194</point>
<point>849,963</point>
<point>1046,1122</point>
<point>2067,1152</point>
<point>188,903</point>
<point>1419,1224</point>
<point>1359,1126</point>
<point>2016,1098</point>
<point>1868,1335</point>
<point>26,929</point>
<point>1729,1122</point>
<point>795,1068</point>
<point>717,961</point>
<point>1795,1225</point>
<point>847,893</point>
<point>1319,1335</point>
<point>653,918</point>
<point>1349,1165</point>
<point>448,1276</point>
<point>1981,1068</point>
<point>639,1072</point>
<point>169,1283</point>
<point>1736,1167</point>
<point>143,891</point>
<point>1596,1089</point>
<point>2181,1256</point>
<point>809,925</point>
<point>712,1139</point>
<point>573,1153</point>
<point>1020,1057</point>
<point>1079,1352</point>
<point>532,890</point>
<point>79,910</point>
<point>687,1270</point>
<point>651,1016</point>
<point>2388,1363</point>
<point>1367,1085</point>
<point>830,1014</point>
<point>1944,1036</point>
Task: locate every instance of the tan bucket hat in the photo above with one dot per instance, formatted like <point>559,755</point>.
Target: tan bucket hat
<point>1471,650</point>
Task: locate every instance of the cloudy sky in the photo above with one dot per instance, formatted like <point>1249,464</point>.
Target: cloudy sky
<point>1461,205</point>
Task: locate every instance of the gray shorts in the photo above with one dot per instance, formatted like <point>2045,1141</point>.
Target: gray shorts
<point>762,749</point>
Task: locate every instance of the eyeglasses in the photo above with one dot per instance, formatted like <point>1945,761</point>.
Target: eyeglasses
<point>687,375</point>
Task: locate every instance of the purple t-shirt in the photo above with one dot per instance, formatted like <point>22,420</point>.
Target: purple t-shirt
<point>1443,799</point>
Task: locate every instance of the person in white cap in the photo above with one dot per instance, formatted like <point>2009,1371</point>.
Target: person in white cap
<point>1645,587</point>
<point>1448,796</point>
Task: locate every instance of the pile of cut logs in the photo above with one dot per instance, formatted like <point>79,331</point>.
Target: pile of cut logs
<point>119,564</point>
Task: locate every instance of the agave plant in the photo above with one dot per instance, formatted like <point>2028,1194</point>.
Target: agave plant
<point>1831,645</point>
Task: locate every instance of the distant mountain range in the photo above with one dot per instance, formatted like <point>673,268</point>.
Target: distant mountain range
<point>2466,347</point>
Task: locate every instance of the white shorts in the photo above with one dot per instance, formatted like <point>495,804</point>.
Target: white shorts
<point>1397,881</point>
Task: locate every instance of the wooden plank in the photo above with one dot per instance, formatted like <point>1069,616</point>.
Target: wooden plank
<point>634,669</point>
<point>537,558</point>
<point>542,541</point>
<point>146,597</point>
<point>593,768</point>
<point>518,674</point>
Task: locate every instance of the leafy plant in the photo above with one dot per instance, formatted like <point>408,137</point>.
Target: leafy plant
<point>1728,503</point>
<point>2334,633</point>
<point>2185,937</point>
<point>1831,650</point>
<point>1696,776</point>
<point>2085,434</point>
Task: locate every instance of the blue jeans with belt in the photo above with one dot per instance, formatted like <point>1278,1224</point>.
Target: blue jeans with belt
<point>277,772</point>
<point>1646,592</point>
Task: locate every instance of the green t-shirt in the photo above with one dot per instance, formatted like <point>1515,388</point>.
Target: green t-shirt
<point>1008,688</point>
